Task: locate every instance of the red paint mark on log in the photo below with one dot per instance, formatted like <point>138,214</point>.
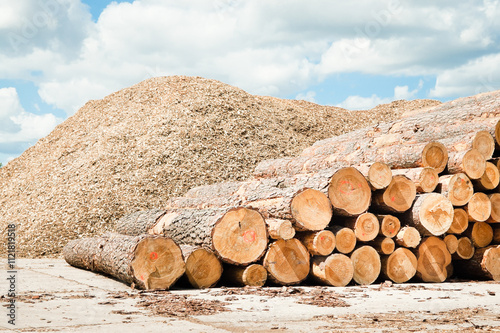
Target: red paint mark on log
<point>393,198</point>
<point>322,238</point>
<point>153,256</point>
<point>142,277</point>
<point>249,236</point>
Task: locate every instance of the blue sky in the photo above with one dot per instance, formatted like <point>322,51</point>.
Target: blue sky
<point>57,54</point>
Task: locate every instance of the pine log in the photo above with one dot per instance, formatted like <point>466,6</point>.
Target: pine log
<point>408,237</point>
<point>139,222</point>
<point>470,162</point>
<point>345,239</point>
<point>495,208</point>
<point>460,222</point>
<point>431,214</point>
<point>203,268</point>
<point>480,233</point>
<point>484,143</point>
<point>378,175</point>
<point>478,208</point>
<point>280,229</point>
<point>489,180</point>
<point>425,179</point>
<point>335,270</point>
<point>400,266</point>
<point>465,249</point>
<point>383,245</point>
<point>397,197</point>
<point>451,243</point>
<point>497,133</point>
<point>318,243</point>
<point>366,226</point>
<point>496,234</point>
<point>435,155</point>
<point>254,275</point>
<point>366,263</point>
<point>389,225</point>
<point>457,188</point>
<point>287,262</point>
<point>349,192</point>
<point>145,261</point>
<point>238,235</point>
<point>433,260</point>
<point>485,264</point>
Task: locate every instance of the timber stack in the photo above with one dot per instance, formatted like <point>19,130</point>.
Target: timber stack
<point>415,199</point>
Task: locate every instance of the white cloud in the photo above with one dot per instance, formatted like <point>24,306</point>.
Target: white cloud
<point>309,96</point>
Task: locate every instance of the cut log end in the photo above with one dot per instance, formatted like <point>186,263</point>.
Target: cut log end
<point>451,243</point>
<point>479,208</point>
<point>240,236</point>
<point>203,268</point>
<point>460,221</point>
<point>484,143</point>
<point>335,270</point>
<point>489,180</point>
<point>349,192</point>
<point>495,208</point>
<point>491,262</point>
<point>311,210</point>
<point>435,155</point>
<point>366,263</point>
<point>280,229</point>
<point>408,237</point>
<point>428,180</point>
<point>366,226</point>
<point>318,243</point>
<point>400,266</point>
<point>287,262</point>
<point>434,212</point>
<point>457,188</point>
<point>383,245</point>
<point>254,275</point>
<point>389,225</point>
<point>397,197</point>
<point>465,249</point>
<point>379,176</point>
<point>480,233</point>
<point>472,163</point>
<point>345,240</point>
<point>433,260</point>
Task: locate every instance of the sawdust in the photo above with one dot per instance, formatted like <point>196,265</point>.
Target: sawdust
<point>139,146</point>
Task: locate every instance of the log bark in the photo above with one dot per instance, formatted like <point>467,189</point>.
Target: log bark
<point>254,275</point>
<point>480,233</point>
<point>431,214</point>
<point>349,192</point>
<point>378,175</point>
<point>287,262</point>
<point>425,179</point>
<point>203,268</point>
<point>470,162</point>
<point>400,266</point>
<point>318,243</point>
<point>457,188</point>
<point>495,208</point>
<point>408,237</point>
<point>489,180</point>
<point>139,222</point>
<point>433,260</point>
<point>485,264</point>
<point>335,270</point>
<point>465,249</point>
<point>345,239</point>
<point>397,197</point>
<point>145,262</point>
<point>366,226</point>
<point>451,243</point>
<point>280,229</point>
<point>366,263</point>
<point>383,245</point>
<point>460,222</point>
<point>389,225</point>
<point>478,208</point>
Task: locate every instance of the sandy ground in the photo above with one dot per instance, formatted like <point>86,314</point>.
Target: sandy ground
<point>54,297</point>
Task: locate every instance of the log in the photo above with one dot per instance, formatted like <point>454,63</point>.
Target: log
<point>457,188</point>
<point>465,249</point>
<point>431,214</point>
<point>451,243</point>
<point>397,197</point>
<point>287,262</point>
<point>378,175</point>
<point>366,263</point>
<point>496,234</point>
<point>460,222</point>
<point>408,237</point>
<point>139,222</point>
<point>349,192</point>
<point>489,180</point>
<point>495,208</point>
<point>145,261</point>
<point>485,264</point>
<point>433,260</point>
<point>238,236</point>
<point>383,245</point>
<point>400,266</point>
<point>366,226</point>
<point>478,208</point>
<point>389,225</point>
<point>435,155</point>
<point>345,239</point>
<point>425,179</point>
<point>335,270</point>
<point>254,275</point>
<point>203,268</point>
<point>318,243</point>
<point>470,162</point>
<point>480,233</point>
<point>484,143</point>
<point>280,229</point>
<point>497,133</point>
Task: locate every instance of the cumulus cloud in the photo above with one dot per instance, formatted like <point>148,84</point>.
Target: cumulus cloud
<point>309,96</point>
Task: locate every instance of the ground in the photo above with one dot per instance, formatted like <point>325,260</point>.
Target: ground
<point>55,297</point>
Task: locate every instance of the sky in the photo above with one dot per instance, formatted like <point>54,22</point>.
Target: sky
<point>55,55</point>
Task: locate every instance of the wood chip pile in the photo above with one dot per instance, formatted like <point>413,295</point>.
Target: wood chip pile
<point>413,199</point>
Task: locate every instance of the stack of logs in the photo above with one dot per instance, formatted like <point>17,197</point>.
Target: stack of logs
<point>425,208</point>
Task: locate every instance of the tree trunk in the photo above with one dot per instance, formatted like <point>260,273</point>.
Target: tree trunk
<point>400,266</point>
<point>480,233</point>
<point>145,261</point>
<point>366,263</point>
<point>349,192</point>
<point>408,237</point>
<point>465,249</point>
<point>397,197</point>
<point>139,222</point>
<point>383,245</point>
<point>479,208</point>
<point>389,225</point>
<point>203,268</point>
<point>345,239</point>
<point>287,262</point>
<point>366,226</point>
<point>495,208</point>
<point>457,188</point>
<point>470,162</point>
<point>318,243</point>
<point>378,175</point>
<point>335,270</point>
<point>280,229</point>
<point>433,260</point>
<point>425,179</point>
<point>254,275</point>
<point>489,180</point>
<point>451,243</point>
<point>485,264</point>
<point>460,222</point>
<point>431,214</point>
